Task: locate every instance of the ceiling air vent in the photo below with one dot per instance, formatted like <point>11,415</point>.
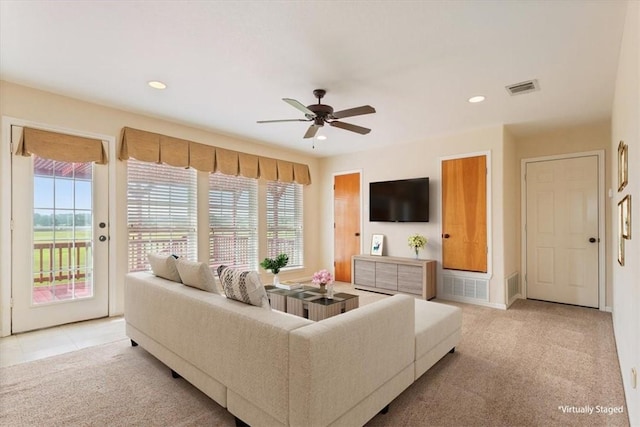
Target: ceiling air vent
<point>523,87</point>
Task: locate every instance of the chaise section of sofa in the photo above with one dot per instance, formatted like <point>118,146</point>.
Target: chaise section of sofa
<point>347,368</point>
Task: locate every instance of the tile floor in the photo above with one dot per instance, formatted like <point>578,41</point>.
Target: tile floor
<point>29,346</point>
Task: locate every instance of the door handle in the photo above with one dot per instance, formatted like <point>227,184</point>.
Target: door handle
<point>446,236</point>
<point>357,234</point>
<point>102,238</point>
<point>592,239</point>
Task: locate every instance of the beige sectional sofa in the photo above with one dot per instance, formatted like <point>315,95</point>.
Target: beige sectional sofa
<point>271,368</point>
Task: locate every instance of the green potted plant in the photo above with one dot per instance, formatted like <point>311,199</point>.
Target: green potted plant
<point>275,264</point>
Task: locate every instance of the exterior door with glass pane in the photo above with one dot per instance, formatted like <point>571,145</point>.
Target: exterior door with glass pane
<point>59,241</point>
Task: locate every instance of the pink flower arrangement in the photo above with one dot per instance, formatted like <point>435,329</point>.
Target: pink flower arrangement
<point>322,277</point>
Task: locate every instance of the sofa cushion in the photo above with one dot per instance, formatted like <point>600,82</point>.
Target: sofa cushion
<point>197,275</point>
<point>243,286</point>
<point>434,323</point>
<point>164,266</point>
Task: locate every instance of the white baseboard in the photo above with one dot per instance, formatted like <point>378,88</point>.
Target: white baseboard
<point>472,301</point>
<point>608,309</point>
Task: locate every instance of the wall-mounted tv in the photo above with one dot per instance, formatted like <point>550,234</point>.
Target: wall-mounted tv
<point>405,200</point>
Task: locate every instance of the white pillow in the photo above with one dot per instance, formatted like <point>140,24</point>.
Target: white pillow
<point>243,286</point>
<point>197,275</point>
<point>164,266</point>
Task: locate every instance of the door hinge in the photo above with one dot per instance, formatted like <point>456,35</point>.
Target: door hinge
<point>11,303</point>
<point>334,225</point>
<point>11,224</point>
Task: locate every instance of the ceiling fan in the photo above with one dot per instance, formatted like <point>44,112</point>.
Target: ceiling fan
<point>320,114</point>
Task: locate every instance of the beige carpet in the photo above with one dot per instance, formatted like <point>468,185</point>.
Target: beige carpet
<point>522,366</point>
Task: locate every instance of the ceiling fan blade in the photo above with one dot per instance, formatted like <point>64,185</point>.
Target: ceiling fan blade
<point>349,126</point>
<point>310,114</point>
<point>358,111</point>
<point>311,132</point>
<point>285,120</point>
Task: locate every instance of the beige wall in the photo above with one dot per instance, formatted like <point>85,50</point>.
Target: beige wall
<point>48,109</point>
<point>626,280</point>
<point>420,159</point>
<point>511,189</point>
<point>589,137</point>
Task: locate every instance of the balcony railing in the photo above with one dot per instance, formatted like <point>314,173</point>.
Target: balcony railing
<point>60,261</point>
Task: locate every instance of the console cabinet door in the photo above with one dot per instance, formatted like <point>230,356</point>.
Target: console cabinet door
<point>364,273</point>
<point>410,279</point>
<point>387,276</point>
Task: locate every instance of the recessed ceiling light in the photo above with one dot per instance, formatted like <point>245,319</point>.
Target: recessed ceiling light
<point>321,137</point>
<point>157,85</point>
<point>476,99</point>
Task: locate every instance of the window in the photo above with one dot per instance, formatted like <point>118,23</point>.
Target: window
<point>233,221</point>
<point>284,221</point>
<point>161,212</point>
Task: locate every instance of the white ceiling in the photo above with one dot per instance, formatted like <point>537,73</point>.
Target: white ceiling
<point>228,64</point>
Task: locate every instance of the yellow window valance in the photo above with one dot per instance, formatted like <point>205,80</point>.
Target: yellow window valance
<point>152,147</point>
<point>61,147</point>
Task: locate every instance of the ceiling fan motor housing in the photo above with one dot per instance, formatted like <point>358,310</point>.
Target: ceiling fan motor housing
<point>321,111</point>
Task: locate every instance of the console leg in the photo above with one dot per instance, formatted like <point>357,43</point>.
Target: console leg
<point>453,350</point>
<point>385,410</point>
<point>174,374</point>
<point>133,343</point>
<point>240,423</point>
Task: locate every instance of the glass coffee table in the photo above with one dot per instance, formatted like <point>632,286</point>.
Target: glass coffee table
<point>310,303</point>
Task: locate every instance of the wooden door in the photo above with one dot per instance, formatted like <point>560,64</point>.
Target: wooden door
<point>562,230</point>
<point>346,214</point>
<point>464,214</point>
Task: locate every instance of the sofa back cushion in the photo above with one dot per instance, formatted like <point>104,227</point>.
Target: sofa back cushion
<point>244,286</point>
<point>164,265</point>
<point>197,275</point>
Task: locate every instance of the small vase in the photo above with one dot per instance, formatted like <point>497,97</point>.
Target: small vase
<point>417,250</point>
<point>276,280</point>
<point>323,288</point>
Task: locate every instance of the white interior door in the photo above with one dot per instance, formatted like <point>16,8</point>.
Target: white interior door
<point>59,241</point>
<point>562,230</point>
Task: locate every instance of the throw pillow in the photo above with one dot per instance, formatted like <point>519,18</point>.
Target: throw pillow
<point>197,275</point>
<point>243,286</point>
<point>164,266</point>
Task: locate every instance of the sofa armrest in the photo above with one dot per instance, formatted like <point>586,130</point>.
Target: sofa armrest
<point>336,363</point>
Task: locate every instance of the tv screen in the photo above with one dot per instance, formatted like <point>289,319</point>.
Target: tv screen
<point>404,200</point>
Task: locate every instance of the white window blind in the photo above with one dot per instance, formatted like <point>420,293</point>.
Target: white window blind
<point>284,221</point>
<point>161,212</point>
<point>233,221</point>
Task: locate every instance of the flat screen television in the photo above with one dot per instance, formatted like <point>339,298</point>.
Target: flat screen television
<point>405,200</point>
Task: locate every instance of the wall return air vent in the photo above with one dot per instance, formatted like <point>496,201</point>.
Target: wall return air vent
<point>523,87</point>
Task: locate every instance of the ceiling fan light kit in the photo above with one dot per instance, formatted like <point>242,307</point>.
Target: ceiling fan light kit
<point>320,114</point>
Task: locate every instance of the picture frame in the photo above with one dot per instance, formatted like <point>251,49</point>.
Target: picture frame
<point>377,243</point>
<point>622,165</point>
<point>621,250</point>
<point>624,209</point>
